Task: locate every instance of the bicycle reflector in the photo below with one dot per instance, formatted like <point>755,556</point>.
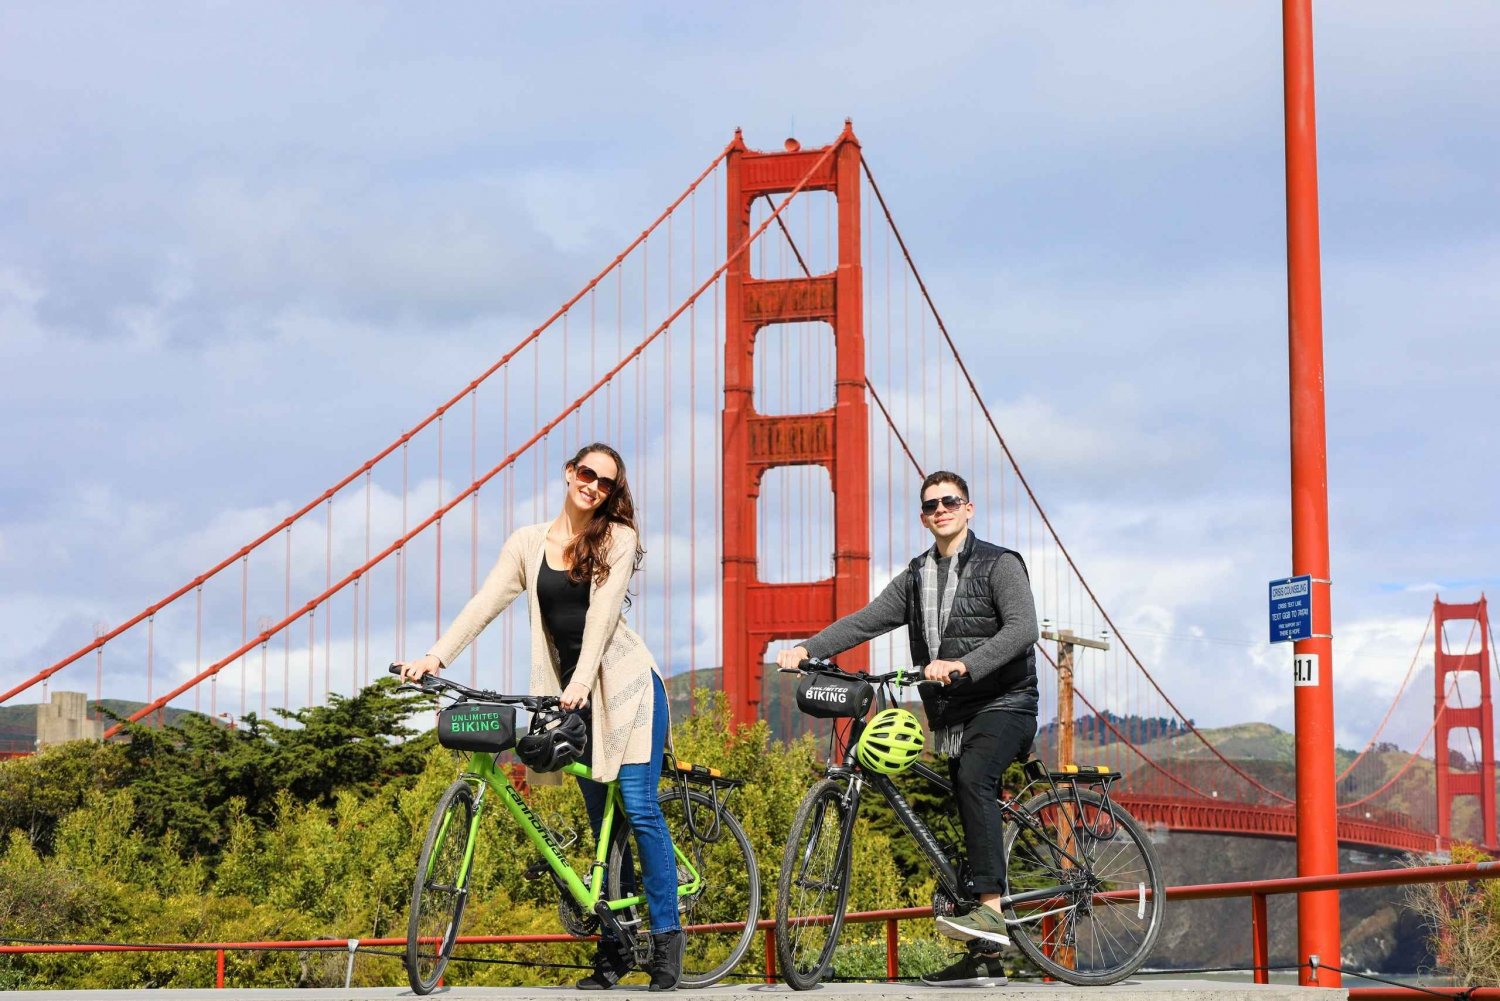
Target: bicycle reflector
<point>891,741</point>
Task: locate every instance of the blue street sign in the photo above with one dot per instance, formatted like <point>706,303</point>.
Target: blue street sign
<point>1291,609</point>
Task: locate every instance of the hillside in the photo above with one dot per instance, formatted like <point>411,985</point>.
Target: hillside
<point>18,722</point>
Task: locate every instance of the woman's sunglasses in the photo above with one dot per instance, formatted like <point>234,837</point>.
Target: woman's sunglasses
<point>952,502</point>
<point>605,484</point>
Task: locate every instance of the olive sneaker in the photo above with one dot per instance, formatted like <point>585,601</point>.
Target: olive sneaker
<point>981,923</point>
<point>972,969</point>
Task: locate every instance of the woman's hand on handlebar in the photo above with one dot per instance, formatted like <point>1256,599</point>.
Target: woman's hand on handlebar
<point>942,671</point>
<point>791,659</point>
<point>575,696</point>
<point>413,670</point>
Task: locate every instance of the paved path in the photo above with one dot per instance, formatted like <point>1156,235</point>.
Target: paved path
<point>1144,989</point>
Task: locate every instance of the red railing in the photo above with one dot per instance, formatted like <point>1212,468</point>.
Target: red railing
<point>1257,890</point>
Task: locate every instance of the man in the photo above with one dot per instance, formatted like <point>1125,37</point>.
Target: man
<point>971,621</point>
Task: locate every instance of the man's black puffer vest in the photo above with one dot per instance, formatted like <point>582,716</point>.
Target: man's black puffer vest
<point>973,619</point>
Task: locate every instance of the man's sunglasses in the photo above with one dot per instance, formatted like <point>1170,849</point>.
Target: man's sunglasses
<point>952,502</point>
<point>605,484</point>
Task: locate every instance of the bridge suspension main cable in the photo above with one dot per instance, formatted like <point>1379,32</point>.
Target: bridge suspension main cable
<point>989,420</point>
<point>436,516</point>
<point>241,556</point>
<point>1410,671</point>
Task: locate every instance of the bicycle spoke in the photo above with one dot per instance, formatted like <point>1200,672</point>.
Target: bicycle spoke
<point>719,917</point>
<point>813,888</point>
<point>1102,938</point>
<point>440,889</point>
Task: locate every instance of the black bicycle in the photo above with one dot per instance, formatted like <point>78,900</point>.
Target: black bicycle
<point>1084,894</point>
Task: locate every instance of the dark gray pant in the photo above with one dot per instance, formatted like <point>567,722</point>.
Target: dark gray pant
<point>992,740</point>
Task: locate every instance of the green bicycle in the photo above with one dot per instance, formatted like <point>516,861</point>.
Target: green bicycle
<point>718,881</point>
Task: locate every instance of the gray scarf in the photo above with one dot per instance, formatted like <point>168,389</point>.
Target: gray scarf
<point>935,611</point>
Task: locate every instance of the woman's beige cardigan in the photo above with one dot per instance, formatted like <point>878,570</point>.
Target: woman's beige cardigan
<point>613,662</point>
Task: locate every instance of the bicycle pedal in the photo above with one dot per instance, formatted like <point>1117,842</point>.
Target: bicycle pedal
<point>535,870</point>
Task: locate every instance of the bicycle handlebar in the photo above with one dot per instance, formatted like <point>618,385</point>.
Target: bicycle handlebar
<point>433,684</point>
<point>902,679</point>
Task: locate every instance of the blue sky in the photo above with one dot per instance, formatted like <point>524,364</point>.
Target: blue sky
<point>244,246</point>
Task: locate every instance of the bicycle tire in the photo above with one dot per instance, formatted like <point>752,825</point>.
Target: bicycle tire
<point>817,858</point>
<point>1094,941</point>
<point>727,900</point>
<point>440,888</point>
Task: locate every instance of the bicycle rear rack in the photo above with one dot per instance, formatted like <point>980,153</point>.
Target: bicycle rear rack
<point>719,789</point>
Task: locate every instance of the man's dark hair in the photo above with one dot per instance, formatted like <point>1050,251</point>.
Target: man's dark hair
<point>944,476</point>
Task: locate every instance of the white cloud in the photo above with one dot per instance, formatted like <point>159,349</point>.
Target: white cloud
<point>250,261</point>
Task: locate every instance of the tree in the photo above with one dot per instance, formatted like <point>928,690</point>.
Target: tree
<point>185,777</point>
<point>1464,922</point>
<point>38,791</point>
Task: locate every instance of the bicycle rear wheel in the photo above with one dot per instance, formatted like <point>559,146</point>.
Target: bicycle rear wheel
<point>1101,925</point>
<point>813,889</point>
<point>440,889</point>
<point>719,919</point>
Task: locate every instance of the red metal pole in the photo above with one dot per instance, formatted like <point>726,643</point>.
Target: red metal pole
<point>892,945</point>
<point>738,534</point>
<point>1317,817</point>
<point>219,970</point>
<point>770,955</point>
<point>1260,945</point>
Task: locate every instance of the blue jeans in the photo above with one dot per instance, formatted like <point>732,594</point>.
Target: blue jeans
<point>638,785</point>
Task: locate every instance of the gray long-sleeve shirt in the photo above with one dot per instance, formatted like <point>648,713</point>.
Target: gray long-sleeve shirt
<point>1009,587</point>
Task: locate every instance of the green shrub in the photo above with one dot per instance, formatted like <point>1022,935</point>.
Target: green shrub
<point>1463,920</point>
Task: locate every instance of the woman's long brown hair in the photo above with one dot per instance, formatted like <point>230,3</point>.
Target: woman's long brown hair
<point>588,553</point>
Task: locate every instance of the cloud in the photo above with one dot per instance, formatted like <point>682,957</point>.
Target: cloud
<point>246,252</point>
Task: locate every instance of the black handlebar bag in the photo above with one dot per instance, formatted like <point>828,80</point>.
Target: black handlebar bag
<point>826,696</point>
<point>477,726</point>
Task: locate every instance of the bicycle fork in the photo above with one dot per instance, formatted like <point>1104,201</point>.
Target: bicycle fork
<point>461,891</point>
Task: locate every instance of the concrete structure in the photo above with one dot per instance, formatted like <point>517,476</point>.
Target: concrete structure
<point>65,718</point>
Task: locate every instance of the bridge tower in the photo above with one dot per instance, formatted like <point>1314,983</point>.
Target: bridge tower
<point>755,612</point>
<point>1451,784</point>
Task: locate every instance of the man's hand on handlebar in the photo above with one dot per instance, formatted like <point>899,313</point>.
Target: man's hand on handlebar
<point>942,671</point>
<point>413,670</point>
<point>791,659</point>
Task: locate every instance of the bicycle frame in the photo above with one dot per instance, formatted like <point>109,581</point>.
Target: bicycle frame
<point>926,841</point>
<point>1054,841</point>
<point>590,897</point>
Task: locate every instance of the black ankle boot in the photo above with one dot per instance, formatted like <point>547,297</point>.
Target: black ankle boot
<point>666,960</point>
<point>610,964</point>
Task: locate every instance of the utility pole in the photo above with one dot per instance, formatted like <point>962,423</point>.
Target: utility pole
<point>1066,640</point>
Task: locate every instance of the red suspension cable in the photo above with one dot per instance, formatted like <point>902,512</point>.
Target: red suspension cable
<point>973,388</point>
<point>541,433</point>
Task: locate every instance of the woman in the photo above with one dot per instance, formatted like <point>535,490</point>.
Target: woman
<point>577,569</point>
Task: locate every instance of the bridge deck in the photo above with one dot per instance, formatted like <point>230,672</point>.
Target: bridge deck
<point>1143,989</point>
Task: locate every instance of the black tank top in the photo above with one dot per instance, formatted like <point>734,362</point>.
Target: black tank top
<point>565,606</point>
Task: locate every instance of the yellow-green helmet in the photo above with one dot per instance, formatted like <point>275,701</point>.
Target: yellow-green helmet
<point>891,741</point>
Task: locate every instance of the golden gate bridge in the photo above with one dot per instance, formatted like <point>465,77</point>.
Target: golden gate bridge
<point>769,359</point>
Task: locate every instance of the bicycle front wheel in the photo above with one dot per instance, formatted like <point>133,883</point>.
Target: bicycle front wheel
<point>1102,923</point>
<point>718,918</point>
<point>441,887</point>
<point>814,886</point>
